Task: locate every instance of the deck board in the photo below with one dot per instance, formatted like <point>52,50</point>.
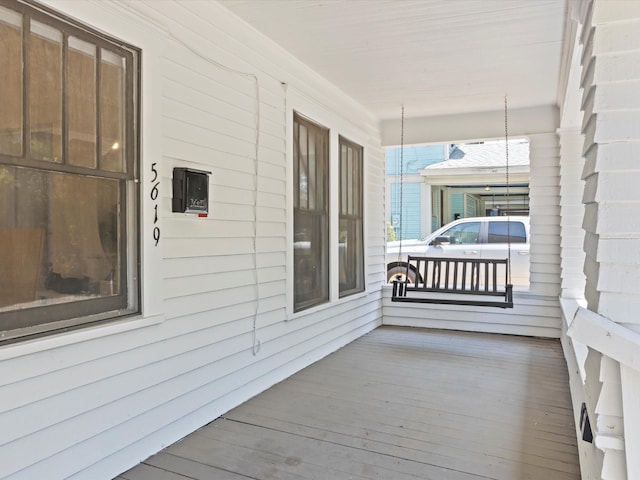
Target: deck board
<point>399,403</point>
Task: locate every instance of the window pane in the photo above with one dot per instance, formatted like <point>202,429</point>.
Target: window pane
<point>350,178</point>
<point>351,244</point>
<point>463,234</point>
<point>359,194</point>
<point>45,92</point>
<point>11,81</point>
<point>343,181</point>
<point>312,180</point>
<point>112,98</point>
<point>322,173</point>
<point>60,235</point>
<point>351,256</point>
<point>310,258</point>
<point>303,159</point>
<point>81,103</point>
<point>498,232</point>
<point>296,165</point>
<point>311,226</point>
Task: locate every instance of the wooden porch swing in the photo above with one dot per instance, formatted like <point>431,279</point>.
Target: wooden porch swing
<point>457,281</point>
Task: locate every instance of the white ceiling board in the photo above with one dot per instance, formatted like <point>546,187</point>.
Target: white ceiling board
<point>435,57</point>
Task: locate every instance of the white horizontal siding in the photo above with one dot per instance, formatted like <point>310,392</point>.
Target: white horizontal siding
<point>611,105</point>
<point>544,203</point>
<point>93,405</point>
<point>175,386</point>
<point>532,315</point>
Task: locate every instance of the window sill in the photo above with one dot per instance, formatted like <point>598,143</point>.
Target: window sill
<point>330,304</point>
<point>80,335</point>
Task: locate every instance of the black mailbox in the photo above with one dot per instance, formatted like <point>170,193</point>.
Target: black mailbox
<point>190,191</point>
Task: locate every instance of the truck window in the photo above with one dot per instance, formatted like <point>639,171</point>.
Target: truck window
<point>498,232</point>
<point>463,233</point>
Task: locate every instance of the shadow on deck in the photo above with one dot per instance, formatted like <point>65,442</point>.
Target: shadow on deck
<point>399,403</point>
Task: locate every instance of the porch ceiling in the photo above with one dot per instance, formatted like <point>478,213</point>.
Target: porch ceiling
<point>435,57</point>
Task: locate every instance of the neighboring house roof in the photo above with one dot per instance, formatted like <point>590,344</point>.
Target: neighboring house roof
<point>489,155</point>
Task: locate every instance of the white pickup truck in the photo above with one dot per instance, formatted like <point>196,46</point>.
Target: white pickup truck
<point>475,237</point>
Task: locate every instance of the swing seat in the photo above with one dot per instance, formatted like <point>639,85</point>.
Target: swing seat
<point>455,281</point>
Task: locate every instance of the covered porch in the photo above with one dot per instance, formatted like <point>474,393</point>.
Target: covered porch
<point>219,374</point>
<point>398,403</point>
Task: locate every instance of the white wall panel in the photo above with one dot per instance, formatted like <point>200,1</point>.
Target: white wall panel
<point>533,315</point>
<point>91,404</point>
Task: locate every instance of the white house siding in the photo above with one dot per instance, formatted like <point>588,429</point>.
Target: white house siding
<point>573,282</point>
<point>544,208</point>
<point>532,315</point>
<point>572,214</point>
<point>610,381</point>
<point>612,171</point>
<point>217,324</point>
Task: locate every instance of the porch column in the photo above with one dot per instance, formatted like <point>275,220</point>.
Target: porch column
<point>611,105</point>
<point>544,205</point>
<point>571,214</point>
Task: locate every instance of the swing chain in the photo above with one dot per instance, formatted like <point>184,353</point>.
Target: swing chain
<point>401,181</point>
<point>506,143</point>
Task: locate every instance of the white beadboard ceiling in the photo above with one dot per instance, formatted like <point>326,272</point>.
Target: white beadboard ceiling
<point>435,57</point>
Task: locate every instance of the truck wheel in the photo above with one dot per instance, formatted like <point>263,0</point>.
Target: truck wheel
<point>399,272</point>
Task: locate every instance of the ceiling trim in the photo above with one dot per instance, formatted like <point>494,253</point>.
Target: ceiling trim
<point>470,127</point>
<point>475,179</point>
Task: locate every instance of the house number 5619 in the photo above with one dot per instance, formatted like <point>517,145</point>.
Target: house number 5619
<point>154,196</point>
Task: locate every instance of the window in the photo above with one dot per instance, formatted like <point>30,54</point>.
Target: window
<point>498,232</point>
<point>463,233</point>
<point>311,213</point>
<point>350,246</point>
<point>68,163</point>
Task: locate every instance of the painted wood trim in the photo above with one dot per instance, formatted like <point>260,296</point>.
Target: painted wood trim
<point>470,127</point>
<point>631,400</point>
<point>609,338</point>
<point>575,356</point>
<point>79,336</point>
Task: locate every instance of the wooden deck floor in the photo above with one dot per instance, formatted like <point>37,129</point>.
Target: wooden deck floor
<point>399,403</point>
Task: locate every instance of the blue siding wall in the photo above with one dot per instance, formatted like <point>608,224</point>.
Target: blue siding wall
<point>408,225</point>
<point>457,205</point>
<point>414,158</point>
